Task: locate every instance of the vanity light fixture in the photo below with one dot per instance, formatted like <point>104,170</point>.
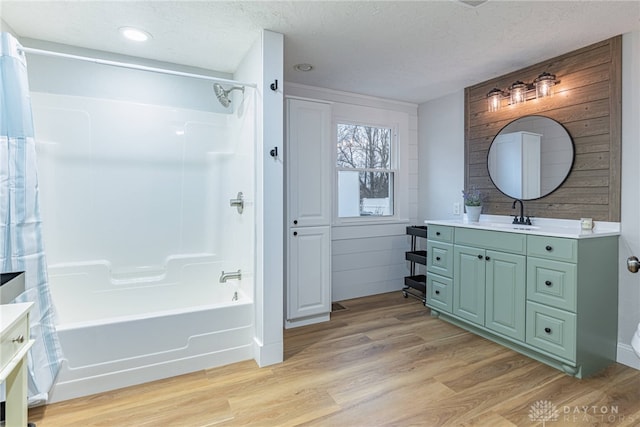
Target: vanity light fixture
<point>520,92</point>
<point>544,84</point>
<point>494,98</point>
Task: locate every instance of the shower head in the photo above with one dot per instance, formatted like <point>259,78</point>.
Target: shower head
<point>223,95</point>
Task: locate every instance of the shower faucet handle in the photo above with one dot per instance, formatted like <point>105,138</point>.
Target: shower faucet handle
<point>238,202</point>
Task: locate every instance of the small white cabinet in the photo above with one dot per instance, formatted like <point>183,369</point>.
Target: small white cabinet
<point>14,345</point>
<point>308,181</point>
<point>309,270</point>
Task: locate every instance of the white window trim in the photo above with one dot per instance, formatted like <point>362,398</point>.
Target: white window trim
<point>392,169</point>
<point>381,118</point>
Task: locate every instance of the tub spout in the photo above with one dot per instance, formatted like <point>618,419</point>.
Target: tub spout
<point>231,275</point>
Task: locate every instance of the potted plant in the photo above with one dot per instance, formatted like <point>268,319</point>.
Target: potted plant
<point>472,203</point>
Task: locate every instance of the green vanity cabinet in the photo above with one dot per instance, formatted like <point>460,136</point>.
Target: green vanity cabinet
<point>551,298</point>
<point>469,283</point>
<point>505,294</point>
<point>439,293</point>
<point>489,285</point>
<point>440,268</point>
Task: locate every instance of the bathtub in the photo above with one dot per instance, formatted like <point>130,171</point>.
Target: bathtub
<point>126,328</point>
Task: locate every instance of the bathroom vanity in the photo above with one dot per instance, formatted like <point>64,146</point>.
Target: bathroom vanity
<point>15,342</point>
<point>549,291</point>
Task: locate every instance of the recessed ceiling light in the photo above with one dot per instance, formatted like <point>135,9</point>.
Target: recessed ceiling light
<point>473,3</point>
<point>135,34</point>
<point>303,67</point>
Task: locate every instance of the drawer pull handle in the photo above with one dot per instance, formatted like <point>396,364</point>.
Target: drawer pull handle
<point>19,339</point>
<point>437,233</point>
<point>488,258</point>
<point>548,283</point>
<point>295,222</point>
<point>479,256</point>
<point>437,292</point>
<point>295,233</point>
<point>437,258</point>
<point>549,248</point>
<point>547,330</point>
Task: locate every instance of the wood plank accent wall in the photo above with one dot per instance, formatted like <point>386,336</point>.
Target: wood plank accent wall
<point>587,101</point>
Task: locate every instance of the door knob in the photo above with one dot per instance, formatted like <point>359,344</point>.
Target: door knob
<point>633,264</point>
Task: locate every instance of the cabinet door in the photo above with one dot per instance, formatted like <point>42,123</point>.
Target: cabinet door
<point>553,283</point>
<point>440,258</point>
<point>469,283</point>
<point>552,330</point>
<point>439,292</point>
<point>506,290</point>
<point>308,161</point>
<point>309,272</point>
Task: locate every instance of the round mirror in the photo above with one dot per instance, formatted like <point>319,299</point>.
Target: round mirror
<point>530,157</point>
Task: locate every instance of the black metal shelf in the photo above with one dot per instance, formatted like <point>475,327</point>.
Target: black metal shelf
<point>419,257</point>
<point>417,230</point>
<point>416,284</point>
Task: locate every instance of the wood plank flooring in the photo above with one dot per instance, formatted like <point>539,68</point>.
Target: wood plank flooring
<point>383,361</point>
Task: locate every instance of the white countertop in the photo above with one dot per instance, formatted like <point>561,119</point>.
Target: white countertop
<point>11,313</point>
<point>569,228</point>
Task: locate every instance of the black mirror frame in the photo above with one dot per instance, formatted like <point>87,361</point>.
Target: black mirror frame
<point>573,157</point>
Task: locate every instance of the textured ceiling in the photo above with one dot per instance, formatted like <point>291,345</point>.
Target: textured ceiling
<point>405,50</point>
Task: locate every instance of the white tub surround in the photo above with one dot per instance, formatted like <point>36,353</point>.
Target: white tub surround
<point>548,290</point>
<point>138,226</point>
<point>569,228</point>
<point>107,354</point>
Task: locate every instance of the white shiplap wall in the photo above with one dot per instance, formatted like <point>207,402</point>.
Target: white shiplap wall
<point>369,259</point>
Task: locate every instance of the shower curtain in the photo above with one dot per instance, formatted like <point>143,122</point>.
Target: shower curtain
<point>21,246</point>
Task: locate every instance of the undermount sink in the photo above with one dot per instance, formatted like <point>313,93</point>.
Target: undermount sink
<point>508,226</point>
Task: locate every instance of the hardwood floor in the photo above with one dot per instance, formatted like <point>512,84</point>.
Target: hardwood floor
<point>383,361</point>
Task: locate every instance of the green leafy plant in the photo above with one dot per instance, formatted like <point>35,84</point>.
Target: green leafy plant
<point>472,197</point>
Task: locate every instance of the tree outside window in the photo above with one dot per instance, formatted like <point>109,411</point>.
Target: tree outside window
<point>365,174</point>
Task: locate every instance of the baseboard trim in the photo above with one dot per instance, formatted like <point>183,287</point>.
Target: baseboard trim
<point>269,354</point>
<point>288,324</point>
<point>627,356</point>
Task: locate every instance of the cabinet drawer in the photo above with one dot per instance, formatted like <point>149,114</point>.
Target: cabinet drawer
<point>513,243</point>
<point>552,330</point>
<point>440,258</point>
<point>11,343</point>
<point>552,283</point>
<point>440,233</point>
<point>556,248</point>
<point>439,292</point>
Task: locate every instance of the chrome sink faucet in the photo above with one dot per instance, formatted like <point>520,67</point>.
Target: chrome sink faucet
<point>521,219</point>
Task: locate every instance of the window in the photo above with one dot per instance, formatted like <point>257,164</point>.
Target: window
<point>365,170</point>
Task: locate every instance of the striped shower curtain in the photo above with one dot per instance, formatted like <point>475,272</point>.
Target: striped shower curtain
<point>21,246</point>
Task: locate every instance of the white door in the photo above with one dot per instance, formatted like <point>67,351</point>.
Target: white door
<point>309,290</point>
<point>308,163</point>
